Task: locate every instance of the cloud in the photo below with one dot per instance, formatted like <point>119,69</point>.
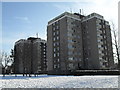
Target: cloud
<point>73,6</point>
<point>23,19</point>
<point>106,8</point>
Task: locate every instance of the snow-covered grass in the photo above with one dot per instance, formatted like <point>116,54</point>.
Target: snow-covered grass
<point>53,81</point>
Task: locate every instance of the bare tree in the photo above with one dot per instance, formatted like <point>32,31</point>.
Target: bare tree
<point>5,61</point>
<point>1,62</point>
<point>115,43</point>
<point>12,60</point>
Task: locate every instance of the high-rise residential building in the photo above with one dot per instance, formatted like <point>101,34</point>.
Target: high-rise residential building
<point>64,43</point>
<point>30,55</point>
<point>97,42</point>
<point>76,42</point>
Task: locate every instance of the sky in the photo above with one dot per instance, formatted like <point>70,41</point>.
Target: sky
<point>21,20</point>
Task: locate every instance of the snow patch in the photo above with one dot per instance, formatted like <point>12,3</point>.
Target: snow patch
<point>53,81</point>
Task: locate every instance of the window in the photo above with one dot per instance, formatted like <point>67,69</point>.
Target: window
<point>70,46</point>
<point>54,61</point>
<point>57,38</point>
<point>71,65</point>
<point>104,63</point>
<point>58,65</point>
<point>104,37</point>
<point>106,53</point>
<point>99,26</point>
<point>57,32</point>
<point>70,53</point>
<point>104,31</point>
<point>57,43</point>
<point>98,35</point>
<point>53,28</point>
<point>105,42</point>
<point>70,40</point>
<point>70,33</point>
<point>99,40</point>
<point>57,27</point>
<point>53,33</point>
<point>58,54</point>
<point>105,47</point>
<point>100,58</point>
<point>58,48</point>
<point>54,49</point>
<point>58,59</point>
<point>75,36</point>
<point>54,55</point>
<point>78,36</point>
<point>54,44</point>
<point>70,58</point>
<point>106,58</point>
<point>54,39</point>
<point>53,24</point>
<point>100,51</point>
<point>55,65</point>
<point>44,62</point>
<point>103,26</point>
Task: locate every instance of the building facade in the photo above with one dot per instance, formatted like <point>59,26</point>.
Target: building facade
<point>64,43</point>
<point>30,55</point>
<point>76,42</point>
<point>97,42</point>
